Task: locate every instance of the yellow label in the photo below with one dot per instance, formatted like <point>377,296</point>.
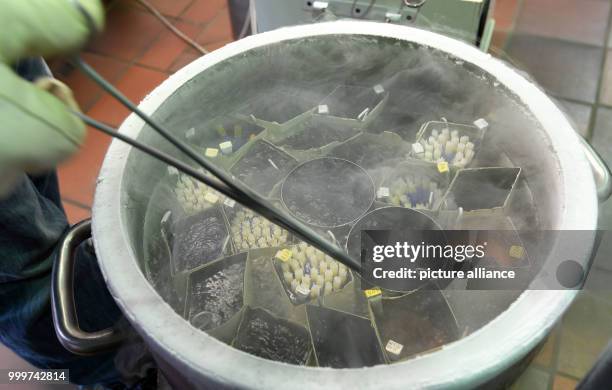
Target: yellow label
<point>518,252</point>
<point>372,292</point>
<point>284,255</point>
<point>211,152</point>
<point>211,198</point>
<point>394,347</point>
<point>442,166</point>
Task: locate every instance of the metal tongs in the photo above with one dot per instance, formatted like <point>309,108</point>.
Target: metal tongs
<point>221,181</point>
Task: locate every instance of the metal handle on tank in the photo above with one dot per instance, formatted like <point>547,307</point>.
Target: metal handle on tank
<point>601,171</point>
<point>65,320</point>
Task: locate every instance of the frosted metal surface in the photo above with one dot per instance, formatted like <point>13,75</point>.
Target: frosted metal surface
<point>390,109</point>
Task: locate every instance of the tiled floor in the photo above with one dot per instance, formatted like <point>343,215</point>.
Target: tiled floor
<point>562,44</point>
<point>565,69</point>
<point>566,45</point>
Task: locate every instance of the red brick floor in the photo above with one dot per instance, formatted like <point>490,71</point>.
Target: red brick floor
<point>136,53</point>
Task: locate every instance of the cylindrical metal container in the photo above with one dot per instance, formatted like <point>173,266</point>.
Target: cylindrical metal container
<point>552,157</point>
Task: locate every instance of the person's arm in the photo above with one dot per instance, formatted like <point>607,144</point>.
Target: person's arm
<point>37,128</point>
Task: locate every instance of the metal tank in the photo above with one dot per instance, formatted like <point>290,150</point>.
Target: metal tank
<point>320,117</point>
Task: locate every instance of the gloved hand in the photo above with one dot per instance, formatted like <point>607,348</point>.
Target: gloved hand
<point>37,129</point>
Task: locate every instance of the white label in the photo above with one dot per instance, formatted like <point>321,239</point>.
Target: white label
<point>320,5</point>
<point>226,147</point>
<point>394,347</point>
<point>323,109</point>
<point>229,202</point>
<point>481,123</point>
<point>417,148</point>
<point>379,89</point>
<point>383,192</point>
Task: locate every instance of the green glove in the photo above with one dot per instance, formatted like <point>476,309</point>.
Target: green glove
<point>37,129</point>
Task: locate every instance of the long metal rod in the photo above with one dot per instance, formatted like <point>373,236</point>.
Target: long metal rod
<point>163,157</point>
<point>231,188</point>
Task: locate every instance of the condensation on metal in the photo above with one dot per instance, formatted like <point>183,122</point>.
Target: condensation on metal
<point>466,363</point>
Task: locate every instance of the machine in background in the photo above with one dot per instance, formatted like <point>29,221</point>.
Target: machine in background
<point>467,20</point>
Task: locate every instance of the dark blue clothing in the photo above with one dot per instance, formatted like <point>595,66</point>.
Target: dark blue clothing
<point>32,221</point>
